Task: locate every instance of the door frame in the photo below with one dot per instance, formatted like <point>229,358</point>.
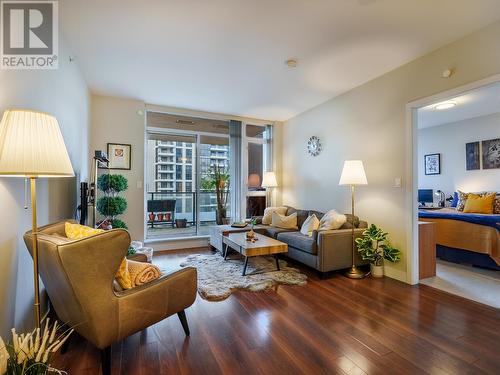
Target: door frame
<point>412,263</point>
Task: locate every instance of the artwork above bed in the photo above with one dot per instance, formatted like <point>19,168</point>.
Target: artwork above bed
<point>487,152</point>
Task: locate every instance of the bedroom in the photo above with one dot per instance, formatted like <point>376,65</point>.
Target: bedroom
<point>459,193</point>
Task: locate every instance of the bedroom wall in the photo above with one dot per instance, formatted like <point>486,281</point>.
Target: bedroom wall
<point>369,123</point>
<point>64,94</point>
<point>449,140</point>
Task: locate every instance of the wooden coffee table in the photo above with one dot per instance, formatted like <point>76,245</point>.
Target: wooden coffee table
<point>261,247</point>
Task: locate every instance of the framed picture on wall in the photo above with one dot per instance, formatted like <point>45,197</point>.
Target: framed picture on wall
<point>432,164</point>
<point>472,156</point>
<point>491,154</point>
<point>119,156</point>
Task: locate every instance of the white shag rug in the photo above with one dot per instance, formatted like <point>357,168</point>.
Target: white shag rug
<point>218,278</point>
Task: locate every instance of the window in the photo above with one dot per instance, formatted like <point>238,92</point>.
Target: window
<point>189,172</point>
<point>189,156</point>
<point>178,172</point>
<point>178,154</point>
<point>189,187</point>
<point>178,186</point>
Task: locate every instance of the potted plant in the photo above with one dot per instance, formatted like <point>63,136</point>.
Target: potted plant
<point>375,247</point>
<point>251,234</point>
<point>112,205</point>
<point>218,180</point>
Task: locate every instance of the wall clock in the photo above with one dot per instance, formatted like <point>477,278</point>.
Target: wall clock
<point>314,146</point>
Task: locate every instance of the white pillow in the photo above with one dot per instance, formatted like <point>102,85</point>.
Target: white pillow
<point>268,214</point>
<point>311,224</point>
<point>332,220</point>
<point>285,222</point>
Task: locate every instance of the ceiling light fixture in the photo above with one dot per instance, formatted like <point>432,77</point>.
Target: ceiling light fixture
<point>444,105</point>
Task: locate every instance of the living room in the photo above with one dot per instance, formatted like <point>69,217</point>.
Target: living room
<point>278,158</point>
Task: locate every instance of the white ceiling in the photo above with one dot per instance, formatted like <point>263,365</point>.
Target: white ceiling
<point>480,102</point>
<point>228,55</point>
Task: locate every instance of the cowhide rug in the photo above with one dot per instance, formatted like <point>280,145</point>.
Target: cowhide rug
<point>218,278</point>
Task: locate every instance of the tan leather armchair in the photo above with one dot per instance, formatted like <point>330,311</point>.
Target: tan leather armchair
<point>78,276</point>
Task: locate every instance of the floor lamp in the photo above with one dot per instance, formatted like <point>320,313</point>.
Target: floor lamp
<point>353,174</point>
<point>32,146</point>
<point>269,182</point>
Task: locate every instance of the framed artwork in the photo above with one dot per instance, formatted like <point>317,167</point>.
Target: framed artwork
<point>472,156</point>
<point>491,153</point>
<point>432,164</point>
<point>119,156</point>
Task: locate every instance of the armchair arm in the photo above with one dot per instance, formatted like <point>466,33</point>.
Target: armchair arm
<point>335,249</point>
<point>147,304</point>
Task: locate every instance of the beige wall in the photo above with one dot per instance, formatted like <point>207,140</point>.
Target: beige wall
<point>369,123</point>
<point>64,94</point>
<point>116,120</point>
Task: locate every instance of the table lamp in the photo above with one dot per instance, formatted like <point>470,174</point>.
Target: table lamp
<point>269,182</point>
<point>353,174</point>
<point>32,146</point>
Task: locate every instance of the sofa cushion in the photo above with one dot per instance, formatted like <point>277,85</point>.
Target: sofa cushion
<point>268,214</point>
<point>299,241</point>
<point>318,214</point>
<point>285,222</point>
<point>270,231</point>
<point>348,223</point>
<point>301,215</point>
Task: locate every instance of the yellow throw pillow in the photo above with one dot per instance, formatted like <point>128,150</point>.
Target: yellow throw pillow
<point>268,214</point>
<point>480,204</point>
<point>284,222</point>
<point>77,231</point>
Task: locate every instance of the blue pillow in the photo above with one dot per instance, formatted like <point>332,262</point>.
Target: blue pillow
<point>454,202</point>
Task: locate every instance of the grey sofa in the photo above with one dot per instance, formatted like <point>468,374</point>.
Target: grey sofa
<point>325,251</point>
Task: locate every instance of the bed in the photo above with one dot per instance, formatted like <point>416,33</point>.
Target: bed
<point>465,237</point>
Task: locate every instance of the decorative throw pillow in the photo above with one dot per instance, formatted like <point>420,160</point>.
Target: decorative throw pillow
<point>480,204</point>
<point>284,222</point>
<point>268,214</point>
<point>496,206</point>
<point>77,231</point>
<point>454,202</point>
<point>311,224</point>
<point>462,198</point>
<point>332,220</point>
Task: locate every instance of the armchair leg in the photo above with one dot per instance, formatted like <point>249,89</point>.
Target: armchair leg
<point>106,361</point>
<point>184,322</point>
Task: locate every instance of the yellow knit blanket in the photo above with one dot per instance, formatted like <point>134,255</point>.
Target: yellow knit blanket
<point>142,273</point>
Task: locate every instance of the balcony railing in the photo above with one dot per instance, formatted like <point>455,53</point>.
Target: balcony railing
<point>178,209</point>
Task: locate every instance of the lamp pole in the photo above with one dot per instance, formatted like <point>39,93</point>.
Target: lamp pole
<point>34,231</point>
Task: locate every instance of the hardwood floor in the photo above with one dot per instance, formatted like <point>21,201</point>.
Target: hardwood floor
<point>334,326</point>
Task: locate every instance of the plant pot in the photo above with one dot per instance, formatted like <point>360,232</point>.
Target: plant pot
<point>377,271</point>
<point>168,216</point>
<point>180,223</point>
<point>160,217</point>
<point>151,217</point>
<point>220,216</point>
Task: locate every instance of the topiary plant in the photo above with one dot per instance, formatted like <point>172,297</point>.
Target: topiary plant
<point>375,247</point>
<point>112,205</point>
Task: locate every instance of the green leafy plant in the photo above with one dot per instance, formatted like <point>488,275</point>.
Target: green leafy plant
<point>111,204</point>
<point>218,179</point>
<point>374,246</point>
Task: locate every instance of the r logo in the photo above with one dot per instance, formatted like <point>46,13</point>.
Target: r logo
<point>29,29</point>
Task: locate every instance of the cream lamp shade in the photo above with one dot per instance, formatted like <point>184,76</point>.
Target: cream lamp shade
<point>353,173</point>
<point>269,180</point>
<point>31,145</point>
